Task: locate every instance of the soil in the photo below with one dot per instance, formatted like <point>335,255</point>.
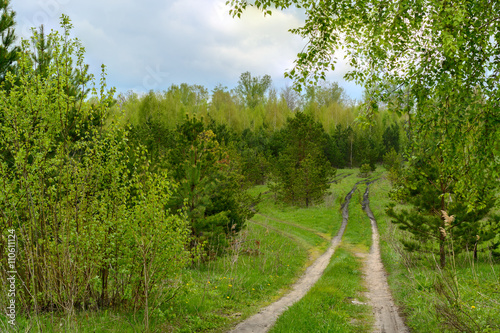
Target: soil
<point>387,318</point>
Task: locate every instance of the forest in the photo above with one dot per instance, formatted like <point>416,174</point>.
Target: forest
<point>187,210</point>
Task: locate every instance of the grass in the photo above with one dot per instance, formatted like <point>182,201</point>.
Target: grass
<point>262,263</point>
<point>334,303</point>
<point>465,296</point>
<point>328,306</point>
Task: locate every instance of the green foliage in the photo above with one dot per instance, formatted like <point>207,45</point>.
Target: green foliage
<point>364,170</point>
<point>91,231</point>
<point>392,162</point>
<point>302,170</point>
<point>254,151</point>
<point>210,184</point>
<point>430,190</point>
<point>8,51</point>
<point>252,89</point>
<point>391,138</point>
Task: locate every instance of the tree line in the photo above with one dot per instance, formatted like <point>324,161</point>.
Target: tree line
<point>101,190</point>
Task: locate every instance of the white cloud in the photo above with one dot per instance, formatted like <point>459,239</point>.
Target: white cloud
<point>153,44</point>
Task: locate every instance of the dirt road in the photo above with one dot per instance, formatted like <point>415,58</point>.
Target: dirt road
<point>265,318</point>
<point>386,314</point>
<point>387,318</point>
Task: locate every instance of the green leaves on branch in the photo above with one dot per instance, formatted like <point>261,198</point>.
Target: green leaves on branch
<point>91,225</point>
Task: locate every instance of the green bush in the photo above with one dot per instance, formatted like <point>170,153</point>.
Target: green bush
<point>91,230</point>
<point>365,170</point>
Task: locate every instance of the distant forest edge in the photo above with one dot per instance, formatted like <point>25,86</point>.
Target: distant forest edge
<point>254,114</point>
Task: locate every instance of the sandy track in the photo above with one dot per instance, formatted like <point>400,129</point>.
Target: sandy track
<point>266,317</point>
<point>387,318</point>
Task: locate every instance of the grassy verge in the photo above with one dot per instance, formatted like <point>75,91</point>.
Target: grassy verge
<point>465,297</point>
<point>211,295</point>
<point>258,268</point>
<point>335,302</point>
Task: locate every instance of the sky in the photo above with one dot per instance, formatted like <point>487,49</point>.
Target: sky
<point>151,44</point>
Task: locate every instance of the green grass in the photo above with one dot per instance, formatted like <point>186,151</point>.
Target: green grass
<point>465,295</point>
<point>258,269</point>
<point>328,306</point>
<point>305,238</point>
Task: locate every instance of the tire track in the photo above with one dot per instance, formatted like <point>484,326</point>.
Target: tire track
<point>266,317</point>
<point>387,318</point>
<point>294,225</point>
<point>281,232</point>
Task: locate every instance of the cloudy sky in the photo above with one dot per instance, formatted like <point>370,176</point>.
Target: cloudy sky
<point>152,44</point>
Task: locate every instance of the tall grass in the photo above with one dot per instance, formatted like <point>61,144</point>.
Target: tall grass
<point>464,297</point>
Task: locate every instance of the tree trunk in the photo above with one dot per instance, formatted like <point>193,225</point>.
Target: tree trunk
<point>104,293</point>
<point>442,253</point>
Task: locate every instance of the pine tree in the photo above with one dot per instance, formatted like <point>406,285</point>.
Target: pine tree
<point>8,52</point>
<point>302,170</point>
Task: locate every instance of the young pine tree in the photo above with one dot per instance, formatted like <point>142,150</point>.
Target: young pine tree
<point>8,52</point>
<point>302,169</point>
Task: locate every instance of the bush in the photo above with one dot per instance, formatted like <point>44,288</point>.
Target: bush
<point>91,232</point>
<point>392,162</point>
<point>365,170</point>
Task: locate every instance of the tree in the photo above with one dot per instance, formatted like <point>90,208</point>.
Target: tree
<point>90,231</point>
<point>436,60</point>
<point>302,169</point>
<point>252,89</point>
<point>8,52</point>
<point>391,137</point>
<point>210,184</point>
<point>430,190</point>
<point>292,98</point>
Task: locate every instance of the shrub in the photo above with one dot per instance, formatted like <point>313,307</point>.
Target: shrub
<point>91,232</point>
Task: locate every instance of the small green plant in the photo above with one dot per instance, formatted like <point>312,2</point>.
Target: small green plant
<point>365,170</point>
<point>392,163</point>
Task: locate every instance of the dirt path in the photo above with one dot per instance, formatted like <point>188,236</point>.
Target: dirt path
<point>387,318</point>
<point>266,317</point>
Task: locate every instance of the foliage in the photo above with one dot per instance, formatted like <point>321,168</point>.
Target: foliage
<point>210,184</point>
<point>252,89</point>
<point>364,170</point>
<point>254,151</point>
<point>302,169</point>
<point>391,138</point>
<point>8,51</point>
<point>430,191</point>
<point>392,162</point>
<point>91,232</point>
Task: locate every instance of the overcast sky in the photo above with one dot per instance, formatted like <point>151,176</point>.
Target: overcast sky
<point>152,44</point>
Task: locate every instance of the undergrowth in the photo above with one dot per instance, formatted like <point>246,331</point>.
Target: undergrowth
<point>463,297</point>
